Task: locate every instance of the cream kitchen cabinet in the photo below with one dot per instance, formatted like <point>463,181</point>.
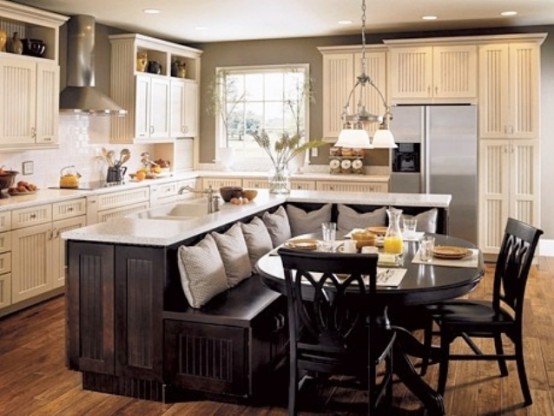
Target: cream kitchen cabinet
<point>184,108</point>
<point>509,87</point>
<point>118,203</point>
<point>5,260</point>
<point>160,107</point>
<point>255,183</point>
<point>29,86</point>
<point>343,186</point>
<point>29,91</point>
<point>218,182</point>
<point>164,193</point>
<point>508,187</point>
<point>441,73</point>
<point>37,250</point>
<point>152,108</point>
<point>341,66</point>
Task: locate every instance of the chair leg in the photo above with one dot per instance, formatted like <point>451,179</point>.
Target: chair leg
<point>522,373</point>
<point>500,351</point>
<point>293,387</point>
<point>444,361</point>
<point>427,340</point>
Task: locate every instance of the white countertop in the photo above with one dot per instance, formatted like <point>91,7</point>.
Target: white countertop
<point>164,232</point>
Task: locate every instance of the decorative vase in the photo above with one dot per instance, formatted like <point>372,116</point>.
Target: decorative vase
<point>16,44</point>
<point>279,180</point>
<point>142,61</point>
<point>3,40</point>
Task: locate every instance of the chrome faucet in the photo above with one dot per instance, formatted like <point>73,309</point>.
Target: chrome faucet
<point>213,200</point>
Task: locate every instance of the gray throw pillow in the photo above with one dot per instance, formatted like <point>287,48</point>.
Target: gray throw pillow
<point>257,238</point>
<point>202,271</point>
<point>278,226</point>
<point>234,253</point>
<point>348,218</point>
<point>426,220</point>
<point>302,222</point>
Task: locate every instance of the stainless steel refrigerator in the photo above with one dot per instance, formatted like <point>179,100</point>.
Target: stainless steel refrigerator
<point>447,154</point>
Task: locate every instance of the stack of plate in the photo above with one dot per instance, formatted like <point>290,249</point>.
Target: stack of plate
<point>450,252</point>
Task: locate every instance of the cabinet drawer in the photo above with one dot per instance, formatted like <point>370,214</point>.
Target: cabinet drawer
<point>5,263</point>
<point>217,183</point>
<point>5,242</point>
<point>123,198</point>
<point>26,217</point>
<point>122,211</point>
<point>305,185</point>
<point>255,183</point>
<point>352,186</point>
<point>5,221</point>
<point>68,209</point>
<point>5,290</point>
<point>164,193</point>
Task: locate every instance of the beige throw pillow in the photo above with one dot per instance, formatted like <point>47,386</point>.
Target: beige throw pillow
<point>426,220</point>
<point>234,253</point>
<point>303,222</point>
<point>202,271</point>
<point>278,226</point>
<point>349,218</point>
<point>257,239</point>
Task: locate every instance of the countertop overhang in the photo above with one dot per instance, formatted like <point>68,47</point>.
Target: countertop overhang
<point>165,232</point>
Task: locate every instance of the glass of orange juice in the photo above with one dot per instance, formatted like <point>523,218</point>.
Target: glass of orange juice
<point>393,244</point>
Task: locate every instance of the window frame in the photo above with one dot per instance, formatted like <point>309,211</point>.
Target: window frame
<point>260,160</point>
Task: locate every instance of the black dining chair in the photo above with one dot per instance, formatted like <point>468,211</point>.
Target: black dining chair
<point>336,326</point>
<point>491,318</point>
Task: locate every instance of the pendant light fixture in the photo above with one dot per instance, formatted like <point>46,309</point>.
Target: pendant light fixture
<point>353,133</point>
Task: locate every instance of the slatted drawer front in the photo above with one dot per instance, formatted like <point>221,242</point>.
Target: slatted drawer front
<point>5,242</point>
<point>122,198</point>
<point>69,209</point>
<point>122,211</point>
<point>352,186</point>
<point>5,263</point>
<point>26,217</point>
<point>164,192</point>
<point>5,221</point>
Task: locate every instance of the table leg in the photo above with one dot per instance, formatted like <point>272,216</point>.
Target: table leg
<point>406,372</point>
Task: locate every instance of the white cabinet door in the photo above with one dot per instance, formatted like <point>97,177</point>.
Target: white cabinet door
<point>446,72</point>
<point>58,246</point>
<point>177,114</point>
<point>508,187</point>
<point>338,79</point>
<point>509,90</point>
<point>159,108</point>
<point>18,101</point>
<point>152,108</point>
<point>48,93</point>
<point>191,109</point>
<point>31,261</point>
<point>142,107</point>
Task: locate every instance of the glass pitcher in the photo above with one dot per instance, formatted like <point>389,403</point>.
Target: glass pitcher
<point>392,243</point>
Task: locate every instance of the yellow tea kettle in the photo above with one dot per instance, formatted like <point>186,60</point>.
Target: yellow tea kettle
<point>69,177</point>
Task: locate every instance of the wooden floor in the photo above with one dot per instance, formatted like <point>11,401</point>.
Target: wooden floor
<point>35,381</point>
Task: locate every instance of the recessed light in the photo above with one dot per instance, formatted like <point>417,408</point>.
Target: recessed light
<point>345,22</point>
<point>201,27</point>
<point>429,18</point>
<point>151,11</point>
<point>509,13</point>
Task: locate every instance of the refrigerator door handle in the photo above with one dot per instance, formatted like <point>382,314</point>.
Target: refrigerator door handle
<point>425,152</point>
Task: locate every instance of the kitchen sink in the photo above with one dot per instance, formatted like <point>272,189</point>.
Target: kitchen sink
<point>181,210</point>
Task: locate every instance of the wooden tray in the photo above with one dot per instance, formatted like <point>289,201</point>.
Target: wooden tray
<point>302,243</point>
<point>450,252</point>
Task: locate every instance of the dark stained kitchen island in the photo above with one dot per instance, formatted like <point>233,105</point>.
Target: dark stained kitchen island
<point>130,329</point>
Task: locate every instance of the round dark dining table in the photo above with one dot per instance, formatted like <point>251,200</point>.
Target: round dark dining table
<point>422,284</point>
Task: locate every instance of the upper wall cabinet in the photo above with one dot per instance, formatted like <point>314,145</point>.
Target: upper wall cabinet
<point>509,82</point>
<point>438,73</point>
<point>341,66</point>
<point>29,84</point>
<point>157,83</point>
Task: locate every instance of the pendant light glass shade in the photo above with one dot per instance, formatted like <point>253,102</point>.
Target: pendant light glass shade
<point>383,139</point>
<point>354,138</point>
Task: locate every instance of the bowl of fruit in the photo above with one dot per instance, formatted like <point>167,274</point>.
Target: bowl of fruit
<point>22,188</point>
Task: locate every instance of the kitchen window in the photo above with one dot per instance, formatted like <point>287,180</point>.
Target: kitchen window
<point>255,98</point>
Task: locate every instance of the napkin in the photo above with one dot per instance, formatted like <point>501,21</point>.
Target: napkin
<point>389,277</point>
<point>416,237</point>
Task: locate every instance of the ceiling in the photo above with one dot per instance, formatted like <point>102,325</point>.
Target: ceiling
<point>224,20</point>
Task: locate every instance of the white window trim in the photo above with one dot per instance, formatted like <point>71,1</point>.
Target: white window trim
<point>259,163</point>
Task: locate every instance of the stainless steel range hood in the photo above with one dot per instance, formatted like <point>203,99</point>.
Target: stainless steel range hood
<point>80,96</point>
